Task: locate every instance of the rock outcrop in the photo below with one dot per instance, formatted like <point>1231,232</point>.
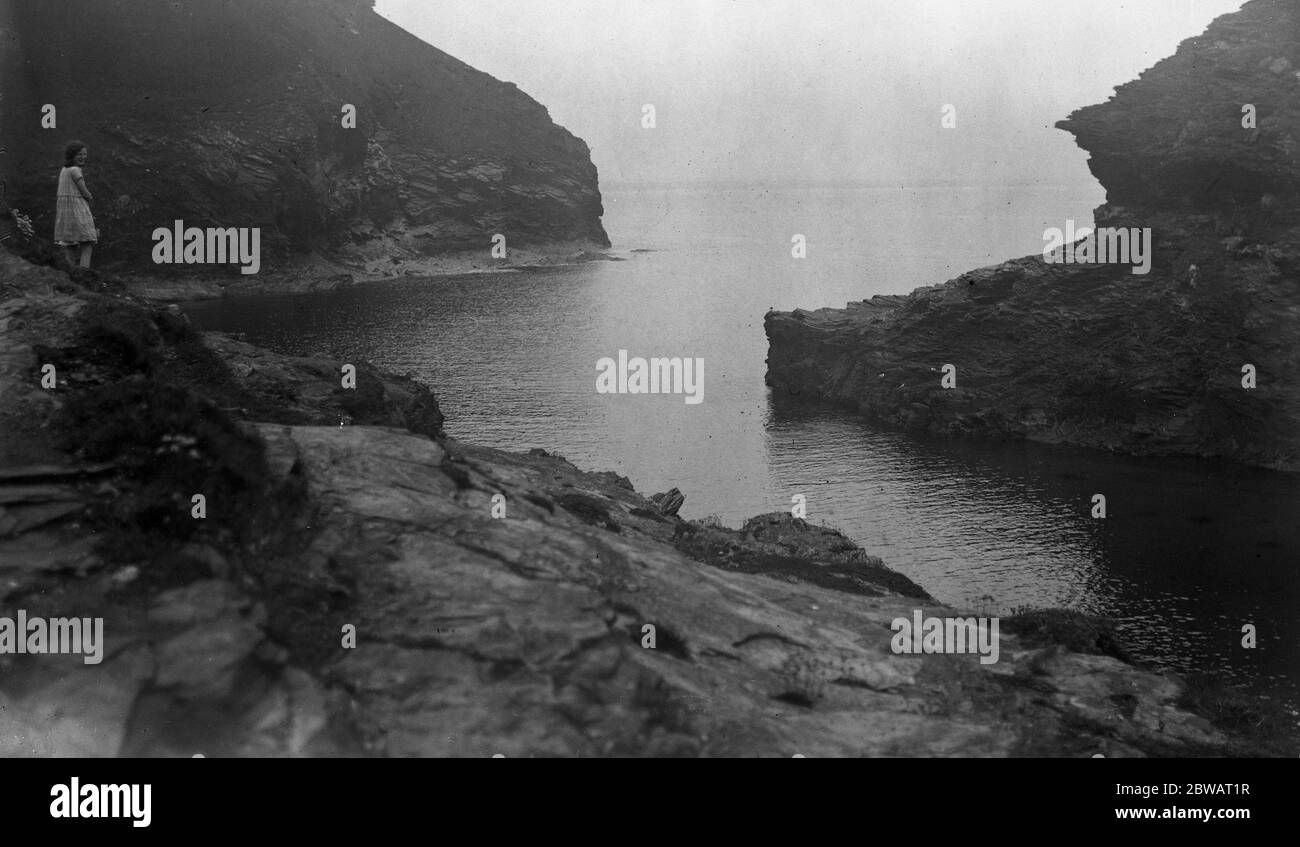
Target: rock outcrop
<point>1092,354</point>
<point>231,115</point>
<point>378,588</point>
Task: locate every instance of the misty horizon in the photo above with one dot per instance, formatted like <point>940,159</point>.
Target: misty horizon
<point>777,93</point>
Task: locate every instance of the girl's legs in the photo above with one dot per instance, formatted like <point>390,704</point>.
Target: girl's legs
<point>85,254</point>
<point>70,255</point>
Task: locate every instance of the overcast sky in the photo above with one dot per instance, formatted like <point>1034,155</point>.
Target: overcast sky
<point>812,90</point>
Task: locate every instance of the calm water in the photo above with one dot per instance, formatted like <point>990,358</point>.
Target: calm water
<point>1190,552</point>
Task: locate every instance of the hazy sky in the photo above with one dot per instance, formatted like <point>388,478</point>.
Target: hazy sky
<point>804,90</point>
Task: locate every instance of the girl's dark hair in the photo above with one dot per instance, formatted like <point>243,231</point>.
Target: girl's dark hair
<point>70,153</point>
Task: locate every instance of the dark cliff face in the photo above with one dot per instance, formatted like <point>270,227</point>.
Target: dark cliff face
<point>230,113</point>
<point>1094,355</point>
<point>1174,140</point>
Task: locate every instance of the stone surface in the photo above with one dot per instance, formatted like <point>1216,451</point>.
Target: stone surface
<point>669,502</point>
<point>523,635</point>
<point>310,390</point>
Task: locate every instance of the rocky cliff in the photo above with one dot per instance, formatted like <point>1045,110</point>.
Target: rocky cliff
<point>1091,354</point>
<point>361,584</point>
<point>231,114</point>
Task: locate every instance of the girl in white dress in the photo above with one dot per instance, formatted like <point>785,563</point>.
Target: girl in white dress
<point>74,226</point>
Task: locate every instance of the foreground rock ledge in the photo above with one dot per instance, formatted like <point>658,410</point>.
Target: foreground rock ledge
<point>521,636</point>
<point>474,635</point>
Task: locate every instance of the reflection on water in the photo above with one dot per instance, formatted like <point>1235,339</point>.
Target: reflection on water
<point>1189,553</point>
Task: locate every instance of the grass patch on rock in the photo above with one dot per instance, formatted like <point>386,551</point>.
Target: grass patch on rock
<point>133,398</point>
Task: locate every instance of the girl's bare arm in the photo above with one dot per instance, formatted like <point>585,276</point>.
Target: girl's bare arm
<point>81,186</point>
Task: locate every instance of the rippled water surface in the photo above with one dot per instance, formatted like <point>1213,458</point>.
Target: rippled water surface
<point>1189,553</point>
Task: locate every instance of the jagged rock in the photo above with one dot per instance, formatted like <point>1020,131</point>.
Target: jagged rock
<point>617,479</point>
<point>780,545</point>
<point>668,502</point>
<point>308,390</point>
<point>172,319</point>
<point>1091,354</point>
